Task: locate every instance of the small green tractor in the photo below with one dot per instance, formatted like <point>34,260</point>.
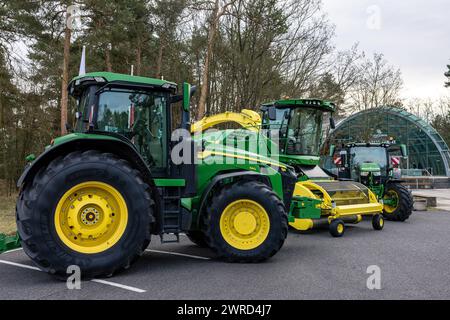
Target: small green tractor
<point>375,165</point>
<point>94,197</point>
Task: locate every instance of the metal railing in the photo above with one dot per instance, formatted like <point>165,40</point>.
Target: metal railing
<point>416,173</point>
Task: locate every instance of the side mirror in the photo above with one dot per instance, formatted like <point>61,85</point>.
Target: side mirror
<point>332,123</point>
<point>68,127</point>
<point>193,90</point>
<point>343,156</point>
<point>404,150</point>
<point>186,96</point>
<point>175,99</point>
<point>332,150</point>
<point>188,91</point>
<point>272,113</point>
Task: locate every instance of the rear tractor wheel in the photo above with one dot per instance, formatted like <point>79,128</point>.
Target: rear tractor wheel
<point>88,209</point>
<point>245,222</point>
<point>398,202</point>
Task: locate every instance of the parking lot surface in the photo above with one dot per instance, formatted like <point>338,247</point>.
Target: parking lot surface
<point>413,258</point>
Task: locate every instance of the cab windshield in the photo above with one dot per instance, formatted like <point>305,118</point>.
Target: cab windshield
<point>304,131</point>
<point>360,155</point>
<point>300,129</point>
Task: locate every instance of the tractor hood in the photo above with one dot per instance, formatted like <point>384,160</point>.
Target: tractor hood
<point>242,145</point>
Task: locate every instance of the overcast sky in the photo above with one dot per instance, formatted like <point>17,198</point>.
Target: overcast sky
<point>414,35</point>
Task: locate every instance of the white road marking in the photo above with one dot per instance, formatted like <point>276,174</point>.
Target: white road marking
<point>178,254</point>
<point>20,265</point>
<point>114,284</point>
<point>109,283</point>
<point>17,249</point>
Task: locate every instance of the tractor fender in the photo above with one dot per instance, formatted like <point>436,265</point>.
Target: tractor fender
<point>217,179</point>
<point>115,146</point>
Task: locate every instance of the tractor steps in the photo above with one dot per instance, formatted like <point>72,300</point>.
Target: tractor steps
<point>166,239</point>
<point>171,214</point>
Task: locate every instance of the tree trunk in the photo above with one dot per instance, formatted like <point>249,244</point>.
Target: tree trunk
<point>108,59</point>
<point>2,112</point>
<point>159,60</point>
<point>65,77</point>
<point>3,143</point>
<point>138,60</point>
<point>205,80</point>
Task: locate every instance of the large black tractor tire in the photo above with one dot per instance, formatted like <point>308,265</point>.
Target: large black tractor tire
<point>43,238</point>
<point>198,238</point>
<point>245,222</point>
<point>405,203</point>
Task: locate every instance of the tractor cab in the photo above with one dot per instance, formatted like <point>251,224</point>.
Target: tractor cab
<point>362,162</point>
<point>135,108</point>
<point>298,124</point>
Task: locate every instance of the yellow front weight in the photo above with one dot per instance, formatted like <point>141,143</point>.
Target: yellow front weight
<point>302,224</point>
<point>244,224</point>
<point>91,217</point>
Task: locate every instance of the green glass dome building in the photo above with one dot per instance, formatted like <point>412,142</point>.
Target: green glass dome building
<point>428,152</point>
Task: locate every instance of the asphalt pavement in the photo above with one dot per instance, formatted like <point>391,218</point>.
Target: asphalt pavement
<point>413,260</point>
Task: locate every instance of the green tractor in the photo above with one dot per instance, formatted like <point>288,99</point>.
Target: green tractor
<point>290,131</point>
<point>376,166</point>
<point>94,197</point>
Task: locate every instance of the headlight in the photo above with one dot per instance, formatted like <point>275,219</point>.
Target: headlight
<point>364,174</point>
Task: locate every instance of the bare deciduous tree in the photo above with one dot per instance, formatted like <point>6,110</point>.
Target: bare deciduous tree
<point>218,10</point>
<point>307,45</point>
<point>378,85</point>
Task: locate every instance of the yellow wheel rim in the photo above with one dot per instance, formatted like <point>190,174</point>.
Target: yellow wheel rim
<point>340,228</point>
<point>381,222</point>
<point>91,217</point>
<point>391,194</point>
<point>244,224</point>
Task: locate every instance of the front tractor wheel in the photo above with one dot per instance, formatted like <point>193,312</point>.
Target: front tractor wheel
<point>378,222</point>
<point>337,228</point>
<point>87,209</point>
<point>245,222</point>
<point>398,202</point>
